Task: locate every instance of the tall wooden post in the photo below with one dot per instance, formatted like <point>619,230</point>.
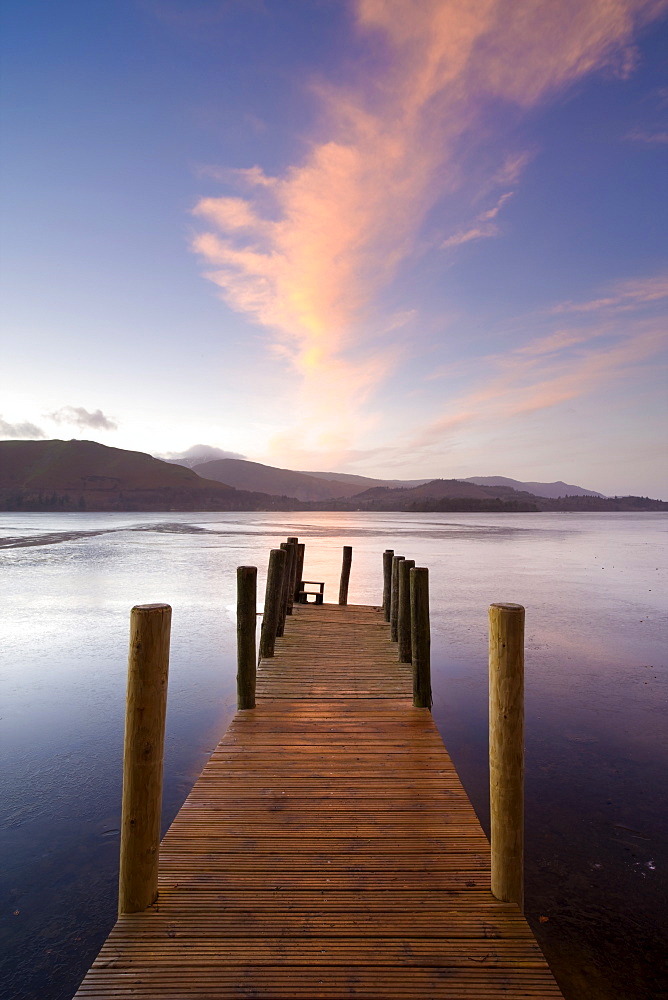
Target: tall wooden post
<point>404,611</point>
<point>301,548</point>
<point>506,750</point>
<point>246,628</point>
<point>420,637</point>
<point>387,582</point>
<point>146,704</point>
<point>294,542</point>
<point>394,597</point>
<point>272,602</point>
<point>287,575</point>
<point>345,573</point>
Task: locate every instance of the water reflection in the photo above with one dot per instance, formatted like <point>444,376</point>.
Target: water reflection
<point>596,691</point>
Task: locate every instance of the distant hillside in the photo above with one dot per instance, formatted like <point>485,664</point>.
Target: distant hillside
<point>553,490</point>
<point>436,489</point>
<point>246,475</point>
<point>254,476</point>
<point>444,494</point>
<point>452,495</point>
<point>84,475</point>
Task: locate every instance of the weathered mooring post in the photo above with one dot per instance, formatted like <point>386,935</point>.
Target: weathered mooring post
<point>394,597</point>
<point>287,576</point>
<point>506,750</point>
<point>246,628</point>
<point>387,582</point>
<point>345,573</point>
<point>272,602</point>
<point>148,668</point>
<point>404,611</point>
<point>420,637</point>
<point>294,542</point>
<point>301,549</point>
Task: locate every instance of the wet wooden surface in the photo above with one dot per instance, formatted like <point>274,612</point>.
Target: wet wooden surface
<point>327,850</point>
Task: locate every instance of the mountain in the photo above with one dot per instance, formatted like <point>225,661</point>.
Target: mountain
<point>307,486</point>
<point>281,482</point>
<point>84,475</point>
<point>450,492</point>
<point>552,490</point>
<point>452,495</point>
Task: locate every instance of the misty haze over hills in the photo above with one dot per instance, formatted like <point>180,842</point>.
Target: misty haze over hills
<point>196,455</point>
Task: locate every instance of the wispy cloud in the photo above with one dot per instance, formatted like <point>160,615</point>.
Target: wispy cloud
<point>659,138</point>
<point>653,131</point>
<point>22,429</point>
<point>632,294</point>
<point>606,345</point>
<point>77,416</point>
<point>305,253</point>
<point>483,228</point>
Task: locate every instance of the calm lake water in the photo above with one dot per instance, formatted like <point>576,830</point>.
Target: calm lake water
<point>594,587</point>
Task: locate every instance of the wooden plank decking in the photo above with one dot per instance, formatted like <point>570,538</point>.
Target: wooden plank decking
<point>327,850</point>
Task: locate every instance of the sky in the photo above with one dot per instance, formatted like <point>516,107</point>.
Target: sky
<point>399,238</point>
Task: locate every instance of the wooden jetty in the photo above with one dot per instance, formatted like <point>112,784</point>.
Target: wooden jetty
<point>327,850</point>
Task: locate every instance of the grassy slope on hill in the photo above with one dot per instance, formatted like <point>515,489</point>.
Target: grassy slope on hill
<point>254,476</point>
<point>84,475</point>
<point>72,465</point>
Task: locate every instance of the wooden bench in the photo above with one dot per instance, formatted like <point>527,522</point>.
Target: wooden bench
<point>303,596</point>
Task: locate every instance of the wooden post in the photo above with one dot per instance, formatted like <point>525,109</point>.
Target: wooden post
<point>506,750</point>
<point>146,704</point>
<point>301,548</point>
<point>345,573</point>
<point>246,628</point>
<point>272,602</point>
<point>404,611</point>
<point>294,542</point>
<point>387,582</point>
<point>420,637</point>
<point>284,588</point>
<point>394,597</point>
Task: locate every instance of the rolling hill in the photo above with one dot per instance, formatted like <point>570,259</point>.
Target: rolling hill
<point>85,475</point>
<point>452,495</point>
<point>307,486</point>
<point>551,490</point>
<point>281,482</point>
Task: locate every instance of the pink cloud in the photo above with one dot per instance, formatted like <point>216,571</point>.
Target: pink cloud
<point>306,253</point>
<point>480,232</point>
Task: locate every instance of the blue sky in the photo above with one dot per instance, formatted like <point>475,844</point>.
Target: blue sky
<point>392,237</point>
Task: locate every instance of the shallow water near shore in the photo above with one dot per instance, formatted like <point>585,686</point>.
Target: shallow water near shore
<point>594,586</point>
